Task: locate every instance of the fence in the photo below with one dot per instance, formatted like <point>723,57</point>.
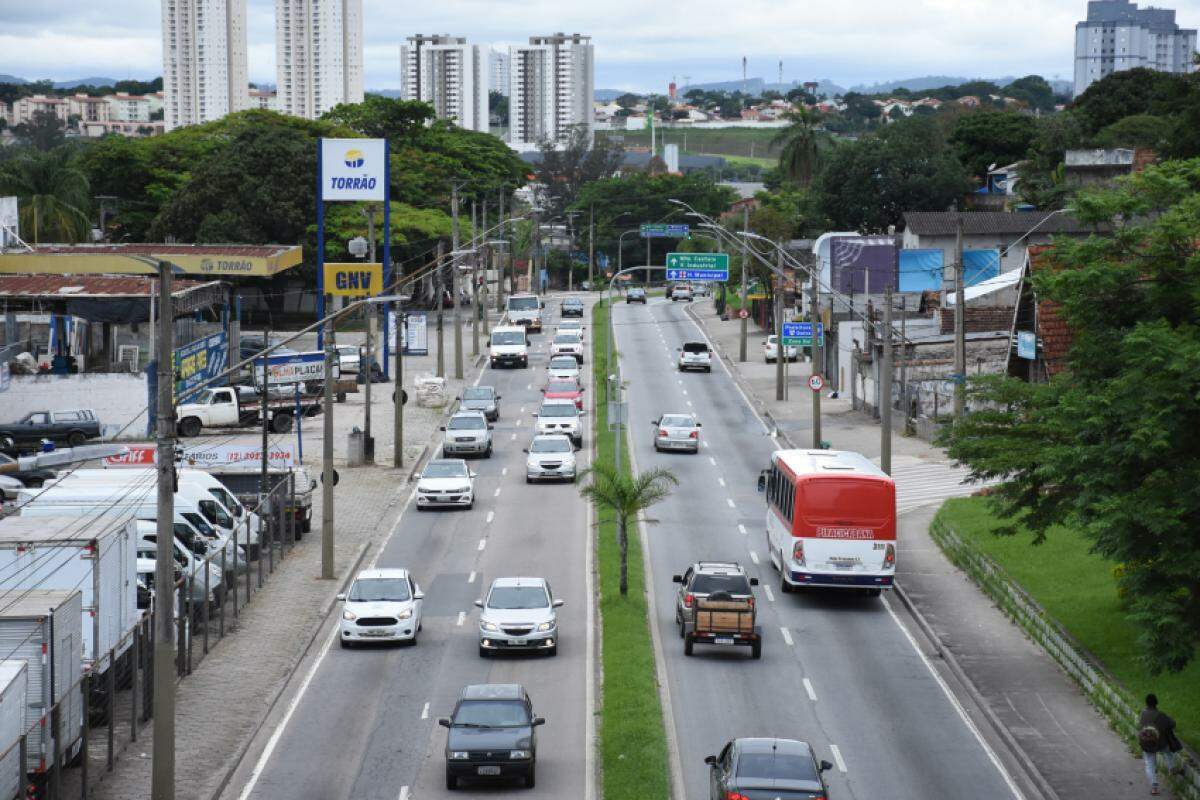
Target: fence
<point>1112,700</point>
<point>117,690</point>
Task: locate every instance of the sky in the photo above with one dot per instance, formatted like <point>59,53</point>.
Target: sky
<point>641,45</point>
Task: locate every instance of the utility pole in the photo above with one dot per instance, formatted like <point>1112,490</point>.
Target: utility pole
<point>648,241</point>
<point>570,252</point>
<point>745,302</point>
<point>266,417</point>
<point>398,394</point>
<point>458,342</point>
<point>475,281</point>
<point>904,358</point>
<point>327,572</point>
<point>482,304</point>
<point>780,353</point>
<point>441,305</point>
<point>591,247</point>
<point>163,766</point>
<point>500,268</point>
<point>818,361</point>
<point>960,333</point>
<point>885,399</point>
<point>369,318</point>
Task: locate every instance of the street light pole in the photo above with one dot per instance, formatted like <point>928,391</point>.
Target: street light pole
<point>818,361</point>
<point>960,333</point>
<point>591,247</point>
<point>780,353</point>
<point>458,342</point>
<point>398,394</point>
<point>745,257</point>
<point>885,399</point>
<point>369,317</point>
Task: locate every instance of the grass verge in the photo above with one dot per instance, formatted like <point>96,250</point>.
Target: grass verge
<point>1077,589</point>
<point>633,744</point>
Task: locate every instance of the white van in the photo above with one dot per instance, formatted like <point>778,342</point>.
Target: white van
<point>187,562</point>
<point>509,346</point>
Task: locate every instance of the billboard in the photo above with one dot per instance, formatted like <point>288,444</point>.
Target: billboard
<point>921,270</point>
<point>863,263</point>
<point>415,332</point>
<point>353,169</point>
<point>293,368</point>
<point>199,362</point>
<point>146,455</point>
<point>980,265</point>
<point>353,280</point>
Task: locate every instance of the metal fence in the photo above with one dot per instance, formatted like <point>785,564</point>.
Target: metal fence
<point>117,690</point>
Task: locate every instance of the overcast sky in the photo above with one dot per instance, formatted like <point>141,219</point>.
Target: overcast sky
<point>640,44</point>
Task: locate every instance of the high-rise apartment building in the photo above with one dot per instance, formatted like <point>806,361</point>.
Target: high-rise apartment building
<point>1117,35</point>
<point>551,83</point>
<point>204,60</point>
<point>498,72</point>
<point>318,55</point>
<point>449,74</point>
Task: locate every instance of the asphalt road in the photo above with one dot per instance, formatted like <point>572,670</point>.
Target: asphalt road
<point>837,670</point>
<point>363,722</point>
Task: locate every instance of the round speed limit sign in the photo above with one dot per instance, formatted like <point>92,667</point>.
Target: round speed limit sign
<point>743,313</point>
<point>816,383</point>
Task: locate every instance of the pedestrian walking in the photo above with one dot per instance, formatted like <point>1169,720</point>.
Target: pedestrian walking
<point>1156,735</point>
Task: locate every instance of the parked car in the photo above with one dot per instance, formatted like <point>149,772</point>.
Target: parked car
<point>567,344</point>
<point>252,345</point>
<point>349,357</point>
<point>382,605</point>
<point>491,734</point>
<point>781,769</point>
<point>705,578</point>
<point>518,614</point>
<point>682,291</point>
<point>550,458</point>
<point>560,416</point>
<point>636,294</point>
<point>564,368</point>
<point>447,483</point>
<point>695,355</point>
<point>481,398</point>
<point>572,307</point>
<point>677,432</point>
<point>467,433</point>
<point>72,428</point>
<point>564,390</point>
<point>771,350</point>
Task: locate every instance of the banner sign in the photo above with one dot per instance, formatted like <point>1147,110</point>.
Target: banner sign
<point>353,280</point>
<point>10,222</point>
<point>199,362</point>
<point>203,455</point>
<point>658,230</point>
<point>353,169</point>
<point>293,368</point>
<point>921,270</point>
<point>415,331</point>
<point>863,263</point>
<point>980,265</point>
<point>1027,345</point>
<point>697,266</point>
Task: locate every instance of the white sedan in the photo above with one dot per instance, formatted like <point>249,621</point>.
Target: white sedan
<point>771,350</point>
<point>568,344</point>
<point>564,368</point>
<point>383,605</point>
<point>446,483</point>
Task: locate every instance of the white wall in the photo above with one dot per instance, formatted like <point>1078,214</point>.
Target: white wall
<point>117,399</point>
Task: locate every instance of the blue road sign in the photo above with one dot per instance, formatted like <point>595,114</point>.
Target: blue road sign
<point>800,334</point>
<point>697,266</point>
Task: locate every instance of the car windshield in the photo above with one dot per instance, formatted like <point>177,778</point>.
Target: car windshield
<point>509,597</point>
<point>523,304</point>
<point>492,714</point>
<point>477,393</point>
<point>695,347</point>
<point>199,524</point>
<point>563,363</point>
<point>555,445</point>
<point>567,338</point>
<point>366,590</point>
<point>204,398</point>
<point>466,423</point>
<point>676,421</point>
<point>637,290</point>
<point>778,766</point>
<point>562,386</point>
<point>558,410</point>
<point>572,302</point>
<point>508,337</point>
<point>707,584</point>
<point>445,471</point>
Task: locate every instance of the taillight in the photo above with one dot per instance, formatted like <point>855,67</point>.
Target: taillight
<point>735,796</point>
<point>889,557</point>
<point>662,433</point>
<point>798,553</point>
<point>688,599</point>
<point>694,435</point>
<point>750,601</point>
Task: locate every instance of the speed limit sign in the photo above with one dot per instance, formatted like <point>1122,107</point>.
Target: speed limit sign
<point>743,313</point>
<point>816,382</point>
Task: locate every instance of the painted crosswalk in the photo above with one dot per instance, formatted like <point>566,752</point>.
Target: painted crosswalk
<point>920,482</point>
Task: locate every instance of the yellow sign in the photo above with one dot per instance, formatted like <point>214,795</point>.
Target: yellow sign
<point>756,296</point>
<point>255,261</point>
<point>354,280</point>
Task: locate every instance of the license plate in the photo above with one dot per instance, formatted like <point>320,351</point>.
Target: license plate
<point>487,770</point>
<point>723,640</point>
<point>377,633</point>
<point>843,566</point>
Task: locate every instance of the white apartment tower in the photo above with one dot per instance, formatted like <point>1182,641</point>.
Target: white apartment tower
<point>1117,35</point>
<point>318,55</point>
<point>449,74</point>
<point>204,60</point>
<point>498,72</point>
<point>551,84</point>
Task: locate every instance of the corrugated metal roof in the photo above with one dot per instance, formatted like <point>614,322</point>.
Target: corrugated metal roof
<point>984,223</point>
<point>66,287</point>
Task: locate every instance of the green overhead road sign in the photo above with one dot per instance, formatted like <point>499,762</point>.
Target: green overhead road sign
<point>697,266</point>
<point>661,230</point>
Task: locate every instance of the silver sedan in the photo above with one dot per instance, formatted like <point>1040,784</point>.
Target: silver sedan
<point>677,432</point>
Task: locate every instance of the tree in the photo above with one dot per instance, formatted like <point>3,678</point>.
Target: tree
<point>1128,92</point>
<point>625,497</point>
<point>1032,90</point>
<point>44,132</point>
<point>991,137</point>
<point>799,144</point>
<point>379,117</point>
<point>1111,447</point>
<point>53,196</point>
<point>1042,181</point>
<point>629,100</point>
<point>1139,130</point>
<point>498,108</point>
<point>571,165</point>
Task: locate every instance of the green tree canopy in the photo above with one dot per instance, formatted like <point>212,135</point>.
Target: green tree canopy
<point>1033,90</point>
<point>1139,130</point>
<point>1112,447</point>
<point>53,197</point>
<point>991,137</point>
<point>800,144</point>
<point>568,168</point>
<point>1128,92</point>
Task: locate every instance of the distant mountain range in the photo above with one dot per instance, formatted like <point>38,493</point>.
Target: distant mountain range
<point>927,82</point>
<point>827,88</point>
<point>63,84</point>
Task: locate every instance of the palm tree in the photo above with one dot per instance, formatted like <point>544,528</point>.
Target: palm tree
<point>625,497</point>
<point>54,196</point>
<point>799,155</point>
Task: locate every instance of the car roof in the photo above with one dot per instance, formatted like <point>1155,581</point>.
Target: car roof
<point>558,401</point>
<point>390,572</point>
<point>764,745</point>
<point>564,357</point>
<point>518,581</point>
<point>719,568</point>
<point>493,691</point>
<point>562,436</point>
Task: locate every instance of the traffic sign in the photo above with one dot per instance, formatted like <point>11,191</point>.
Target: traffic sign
<point>697,266</point>
<point>659,230</point>
<point>816,383</point>
<point>743,313</point>
<point>800,333</point>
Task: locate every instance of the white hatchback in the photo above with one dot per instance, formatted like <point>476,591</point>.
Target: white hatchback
<point>771,350</point>
<point>383,605</point>
<point>446,482</point>
<point>564,368</point>
<point>567,344</point>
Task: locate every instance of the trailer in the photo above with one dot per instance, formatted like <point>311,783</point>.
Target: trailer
<point>722,619</point>
<point>43,628</point>
<point>14,687</point>
<point>244,481</point>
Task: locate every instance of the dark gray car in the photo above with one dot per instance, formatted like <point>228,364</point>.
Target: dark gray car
<point>767,769</point>
<point>481,398</point>
<point>491,734</point>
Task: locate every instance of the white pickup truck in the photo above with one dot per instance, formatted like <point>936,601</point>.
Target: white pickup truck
<point>223,407</point>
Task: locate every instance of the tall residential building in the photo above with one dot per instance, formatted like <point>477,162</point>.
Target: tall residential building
<point>448,73</point>
<point>551,84</point>
<point>498,72</point>
<point>318,55</point>
<point>1117,35</point>
<point>204,60</point>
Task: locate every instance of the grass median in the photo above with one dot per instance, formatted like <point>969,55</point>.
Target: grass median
<point>1077,588</point>
<point>633,744</point>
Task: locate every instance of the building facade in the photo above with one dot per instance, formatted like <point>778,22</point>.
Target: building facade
<point>1117,35</point>
<point>318,55</point>
<point>449,74</point>
<point>204,60</point>
<point>498,72</point>
<point>551,84</point>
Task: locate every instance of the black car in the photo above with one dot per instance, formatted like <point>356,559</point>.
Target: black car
<point>31,478</point>
<point>70,428</point>
<point>491,734</point>
<point>767,769</point>
<point>636,295</point>
<point>572,307</point>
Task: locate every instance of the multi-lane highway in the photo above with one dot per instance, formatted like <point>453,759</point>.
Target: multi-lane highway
<point>362,723</point>
<point>837,670</point>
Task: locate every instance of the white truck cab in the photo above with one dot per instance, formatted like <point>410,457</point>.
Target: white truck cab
<point>509,346</point>
<point>525,310</point>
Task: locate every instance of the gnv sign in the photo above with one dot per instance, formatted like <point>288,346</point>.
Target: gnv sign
<point>353,169</point>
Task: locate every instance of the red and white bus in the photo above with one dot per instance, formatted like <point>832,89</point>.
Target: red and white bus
<point>831,520</point>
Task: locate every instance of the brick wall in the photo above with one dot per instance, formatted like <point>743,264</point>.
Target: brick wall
<point>979,320</point>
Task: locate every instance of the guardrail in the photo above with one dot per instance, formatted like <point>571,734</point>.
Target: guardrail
<point>1115,702</point>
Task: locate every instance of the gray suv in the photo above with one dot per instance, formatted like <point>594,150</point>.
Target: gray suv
<point>481,398</point>
<point>491,734</point>
<point>705,578</point>
<point>467,433</point>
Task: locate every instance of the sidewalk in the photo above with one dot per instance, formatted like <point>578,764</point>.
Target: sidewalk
<point>1054,727</point>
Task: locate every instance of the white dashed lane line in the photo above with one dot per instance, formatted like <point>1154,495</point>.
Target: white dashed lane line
<point>721,481</point>
<point>812,694</point>
<point>497,492</point>
<point>505,470</point>
<point>462,617</point>
<point>482,543</point>
<point>471,577</point>
<point>787,636</point>
<point>770,594</point>
<point>491,516</point>
<point>514,437</point>
<point>742,529</point>
<point>731,505</point>
<point>712,461</point>
<point>837,757</point>
<point>754,557</point>
<point>425,712</point>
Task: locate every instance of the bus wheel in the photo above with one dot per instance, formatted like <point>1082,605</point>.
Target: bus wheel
<point>784,586</point>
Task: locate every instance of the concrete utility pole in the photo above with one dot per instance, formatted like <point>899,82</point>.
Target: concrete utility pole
<point>960,332</point>
<point>904,358</point>
<point>441,314</point>
<point>458,342</point>
<point>745,303</point>
<point>398,394</point>
<point>327,572</point>
<point>780,352</point>
<point>592,247</point>
<point>500,269</point>
<point>369,358</point>
<point>163,767</point>
<point>482,304</point>
<point>265,413</point>
<point>475,243</point>
<point>885,398</point>
<point>648,241</point>
<point>817,351</point>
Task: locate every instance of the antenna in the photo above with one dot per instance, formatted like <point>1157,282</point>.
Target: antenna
<point>781,72</point>
<point>744,90</point>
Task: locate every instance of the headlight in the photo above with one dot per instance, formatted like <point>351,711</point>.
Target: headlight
<point>459,755</point>
<point>489,626</point>
<point>349,616</point>
<point>545,626</point>
<point>463,489</point>
<point>518,754</point>
<point>405,614</point>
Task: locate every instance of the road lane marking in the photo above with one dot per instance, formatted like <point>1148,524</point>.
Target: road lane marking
<point>730,501</point>
<point>685,392</point>
<point>497,492</point>
<point>712,461</point>
<point>787,636</point>
<point>462,617</point>
<point>837,757</point>
<point>680,381</point>
<point>770,594</point>
<point>403,793</point>
<point>754,557</point>
<point>505,470</point>
<point>742,529</point>
<point>518,423</point>
<point>491,516</point>
<point>721,481</point>
<point>514,437</point>
<point>529,386</point>
<point>812,693</point>
<point>424,714</point>
<point>689,402</point>
<point>471,577</point>
<point>482,543</point>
